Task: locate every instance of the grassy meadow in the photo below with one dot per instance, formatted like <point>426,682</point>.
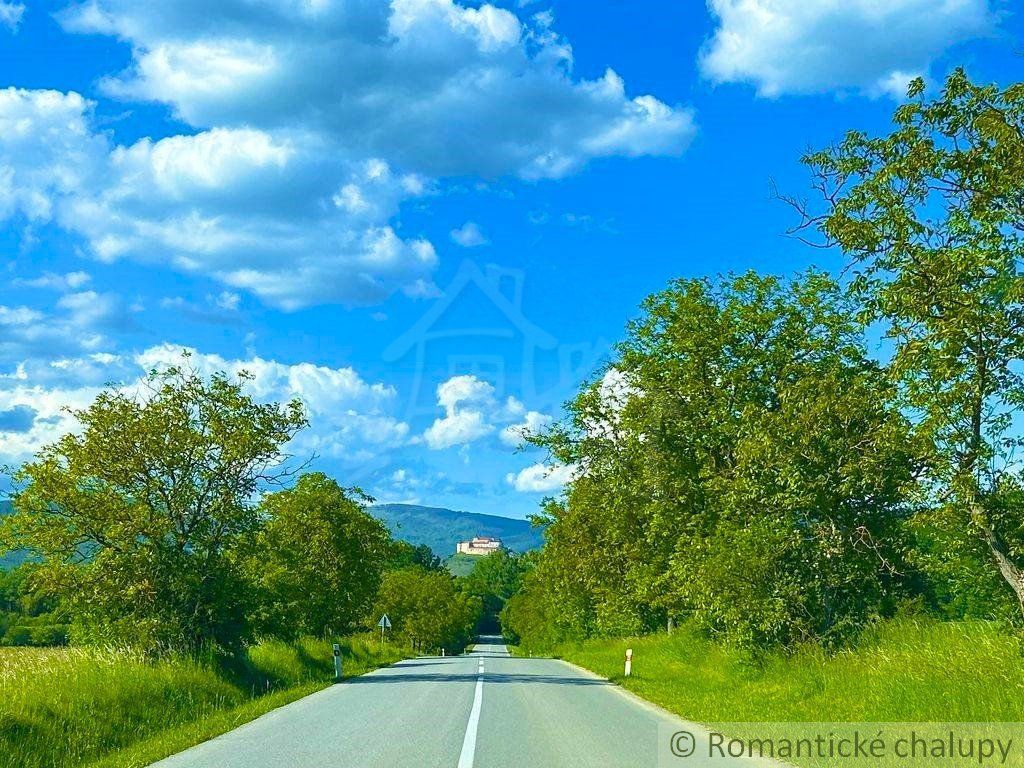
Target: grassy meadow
<point>62,707</point>
<point>907,669</point>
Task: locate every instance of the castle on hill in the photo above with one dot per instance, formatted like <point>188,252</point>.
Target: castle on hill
<point>478,545</point>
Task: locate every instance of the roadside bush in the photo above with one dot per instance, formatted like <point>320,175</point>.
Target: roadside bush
<point>18,635</point>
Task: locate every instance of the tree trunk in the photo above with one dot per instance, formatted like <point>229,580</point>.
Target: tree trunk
<point>1010,571</point>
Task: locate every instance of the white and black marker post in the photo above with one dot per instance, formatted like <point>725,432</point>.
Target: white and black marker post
<point>629,662</point>
<point>337,663</point>
<point>384,623</point>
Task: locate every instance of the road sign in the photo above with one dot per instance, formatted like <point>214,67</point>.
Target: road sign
<point>385,622</point>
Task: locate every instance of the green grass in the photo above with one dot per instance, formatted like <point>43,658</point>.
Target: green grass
<point>461,564</point>
<point>901,675</point>
<point>908,670</point>
<point>63,707</point>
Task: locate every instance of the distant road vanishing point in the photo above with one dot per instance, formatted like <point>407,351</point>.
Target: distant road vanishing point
<point>485,709</point>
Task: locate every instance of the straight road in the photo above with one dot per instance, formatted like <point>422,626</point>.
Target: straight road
<point>485,709</point>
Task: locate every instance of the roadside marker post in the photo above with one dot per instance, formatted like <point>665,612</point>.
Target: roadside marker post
<point>629,662</point>
<point>337,663</point>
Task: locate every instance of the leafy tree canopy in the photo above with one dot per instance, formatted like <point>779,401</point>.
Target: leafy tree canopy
<point>137,518</point>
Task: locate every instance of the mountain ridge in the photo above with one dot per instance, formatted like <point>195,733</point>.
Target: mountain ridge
<point>441,528</point>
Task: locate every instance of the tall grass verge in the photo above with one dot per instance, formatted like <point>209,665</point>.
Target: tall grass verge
<point>64,707</point>
<point>907,670</point>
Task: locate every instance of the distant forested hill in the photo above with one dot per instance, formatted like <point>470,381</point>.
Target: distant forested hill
<point>436,527</point>
<point>440,529</point>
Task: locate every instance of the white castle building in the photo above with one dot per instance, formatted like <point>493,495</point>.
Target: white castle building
<point>478,545</point>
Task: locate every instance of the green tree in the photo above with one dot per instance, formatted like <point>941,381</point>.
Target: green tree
<point>138,517</point>
<point>532,618</point>
<point>318,559</point>
<point>932,218</point>
<point>741,460</point>
<point>426,609</point>
<point>403,555</point>
<point>493,580</point>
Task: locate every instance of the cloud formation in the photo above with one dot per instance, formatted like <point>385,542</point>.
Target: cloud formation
<point>469,235</point>
<point>351,420</point>
<point>541,478</point>
<point>533,423</point>
<point>11,15</point>
<point>800,47</point>
<point>313,124</point>
<point>472,411</point>
<point>384,79</point>
<point>467,402</point>
<point>272,215</point>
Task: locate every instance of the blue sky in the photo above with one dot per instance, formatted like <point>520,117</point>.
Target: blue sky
<point>427,219</point>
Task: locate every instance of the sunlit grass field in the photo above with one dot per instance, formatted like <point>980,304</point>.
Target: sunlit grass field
<point>907,669</point>
<point>113,707</point>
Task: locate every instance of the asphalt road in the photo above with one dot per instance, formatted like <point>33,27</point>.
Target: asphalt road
<point>484,710</point>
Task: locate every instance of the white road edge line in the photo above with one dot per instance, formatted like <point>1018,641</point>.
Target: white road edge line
<point>469,742</point>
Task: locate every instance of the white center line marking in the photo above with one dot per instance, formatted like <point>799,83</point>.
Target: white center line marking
<point>469,742</point>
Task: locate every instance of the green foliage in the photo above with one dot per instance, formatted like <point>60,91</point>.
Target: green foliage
<point>932,219</point>
<point>137,517</point>
<point>426,609</point>
<point>404,555</point>
<point>317,560</point>
<point>28,616</point>
<point>749,467</point>
<point>493,580</point>
<point>744,461</point>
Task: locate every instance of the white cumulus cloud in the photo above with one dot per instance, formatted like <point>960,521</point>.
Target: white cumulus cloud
<point>818,46</point>
<point>472,410</point>
<point>467,402</point>
<point>541,478</point>
<point>386,79</point>
<point>274,215</point>
<point>469,235</point>
<point>309,125</point>
<point>351,420</point>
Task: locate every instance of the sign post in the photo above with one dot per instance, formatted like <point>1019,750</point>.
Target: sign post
<point>337,663</point>
<point>629,662</point>
<point>384,623</point>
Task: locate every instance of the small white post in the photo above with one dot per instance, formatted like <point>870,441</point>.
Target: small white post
<point>629,662</point>
<point>337,662</point>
